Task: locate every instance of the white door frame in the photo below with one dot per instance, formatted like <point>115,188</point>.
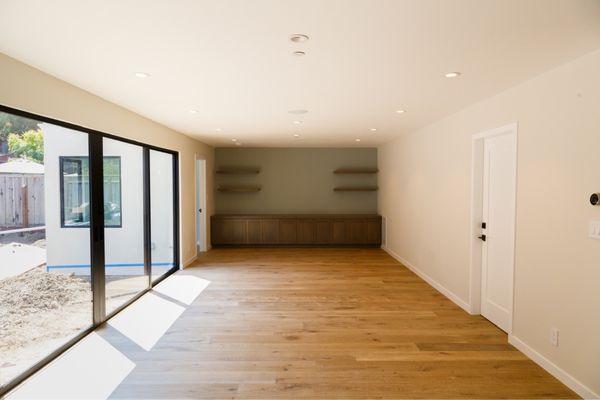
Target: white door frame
<point>200,203</point>
<point>477,142</point>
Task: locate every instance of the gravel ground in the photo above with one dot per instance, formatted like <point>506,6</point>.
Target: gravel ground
<point>38,312</point>
<point>29,299</point>
<point>35,238</point>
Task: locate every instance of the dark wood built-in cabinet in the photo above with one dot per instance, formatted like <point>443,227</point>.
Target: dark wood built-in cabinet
<point>331,230</point>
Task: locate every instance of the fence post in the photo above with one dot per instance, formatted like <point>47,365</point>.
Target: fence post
<point>25,205</point>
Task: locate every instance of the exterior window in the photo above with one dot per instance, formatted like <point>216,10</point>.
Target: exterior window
<point>75,192</point>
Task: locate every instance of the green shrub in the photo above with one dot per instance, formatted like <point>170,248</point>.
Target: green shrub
<point>28,145</point>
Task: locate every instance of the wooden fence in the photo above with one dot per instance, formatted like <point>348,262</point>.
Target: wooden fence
<point>21,201</point>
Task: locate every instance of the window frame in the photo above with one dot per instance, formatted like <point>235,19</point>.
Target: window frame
<point>61,160</point>
<point>97,243</point>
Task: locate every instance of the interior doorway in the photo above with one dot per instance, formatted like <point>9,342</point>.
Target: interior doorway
<point>201,232</point>
<point>494,176</point>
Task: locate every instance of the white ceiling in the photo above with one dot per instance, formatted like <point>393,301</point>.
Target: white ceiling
<point>231,59</point>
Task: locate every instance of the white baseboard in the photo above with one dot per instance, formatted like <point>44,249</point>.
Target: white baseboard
<point>436,285</point>
<point>190,261</point>
<point>553,369</point>
<point>539,359</point>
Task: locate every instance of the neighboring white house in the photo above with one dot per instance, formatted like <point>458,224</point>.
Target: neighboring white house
<point>22,166</point>
<point>67,205</point>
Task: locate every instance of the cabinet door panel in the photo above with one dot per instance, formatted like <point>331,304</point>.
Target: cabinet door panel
<point>307,231</point>
<point>254,231</point>
<point>323,232</point>
<point>374,232</point>
<point>357,230</point>
<point>269,231</point>
<point>288,231</point>
<point>216,231</point>
<point>236,230</point>
<point>339,234</point>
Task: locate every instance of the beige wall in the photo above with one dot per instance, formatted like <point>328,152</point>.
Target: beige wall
<point>297,180</point>
<point>425,196</point>
<point>29,89</point>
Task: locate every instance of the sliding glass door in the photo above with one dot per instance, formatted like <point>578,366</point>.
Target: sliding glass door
<point>125,275</point>
<point>45,275</point>
<point>161,200</point>
<point>88,223</point>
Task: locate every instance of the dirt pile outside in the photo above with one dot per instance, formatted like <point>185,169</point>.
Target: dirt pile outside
<point>37,310</point>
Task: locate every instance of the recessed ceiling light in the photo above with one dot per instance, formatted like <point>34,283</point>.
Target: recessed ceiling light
<point>357,140</point>
<point>297,122</point>
<point>298,38</point>
<point>299,53</point>
<point>218,129</point>
<point>400,111</point>
<point>373,129</point>
<point>193,111</point>
<point>298,111</point>
<point>141,74</point>
<point>452,74</point>
<point>296,135</point>
<point>234,140</point>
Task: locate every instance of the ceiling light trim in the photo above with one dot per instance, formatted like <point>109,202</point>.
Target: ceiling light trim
<point>298,111</point>
<point>299,38</point>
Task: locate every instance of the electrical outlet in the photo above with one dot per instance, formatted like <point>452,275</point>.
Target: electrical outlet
<point>594,230</point>
<point>554,336</point>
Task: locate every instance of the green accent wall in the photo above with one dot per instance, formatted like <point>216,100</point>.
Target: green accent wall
<point>296,180</point>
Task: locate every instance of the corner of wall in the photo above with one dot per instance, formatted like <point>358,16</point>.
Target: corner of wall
<point>553,369</point>
<point>436,285</point>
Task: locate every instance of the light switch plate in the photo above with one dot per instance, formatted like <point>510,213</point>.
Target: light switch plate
<point>594,230</point>
<point>554,336</point>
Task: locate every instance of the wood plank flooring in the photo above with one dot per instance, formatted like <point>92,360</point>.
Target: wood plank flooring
<point>327,324</point>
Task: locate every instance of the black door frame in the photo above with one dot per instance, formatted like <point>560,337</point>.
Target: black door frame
<point>97,250</point>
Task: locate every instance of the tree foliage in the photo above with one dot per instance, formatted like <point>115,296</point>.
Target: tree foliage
<point>15,124</point>
<point>28,145</point>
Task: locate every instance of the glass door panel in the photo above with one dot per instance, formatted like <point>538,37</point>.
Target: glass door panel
<point>125,275</point>
<point>161,212</point>
<point>45,280</point>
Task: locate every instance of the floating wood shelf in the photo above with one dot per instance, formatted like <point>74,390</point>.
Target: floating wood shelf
<point>355,189</point>
<point>239,189</point>
<point>356,171</point>
<point>238,170</point>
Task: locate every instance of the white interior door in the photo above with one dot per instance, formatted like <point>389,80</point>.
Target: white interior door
<point>200,206</point>
<point>498,235</point>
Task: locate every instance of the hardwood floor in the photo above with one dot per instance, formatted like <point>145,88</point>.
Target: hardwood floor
<point>327,323</point>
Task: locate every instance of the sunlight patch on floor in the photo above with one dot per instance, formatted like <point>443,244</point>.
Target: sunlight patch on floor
<point>91,369</point>
<point>183,288</point>
<point>146,320</point>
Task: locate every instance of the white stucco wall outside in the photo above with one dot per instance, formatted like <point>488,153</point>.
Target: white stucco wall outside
<point>68,247</point>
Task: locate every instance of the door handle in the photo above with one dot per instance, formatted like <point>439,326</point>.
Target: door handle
<point>482,237</point>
